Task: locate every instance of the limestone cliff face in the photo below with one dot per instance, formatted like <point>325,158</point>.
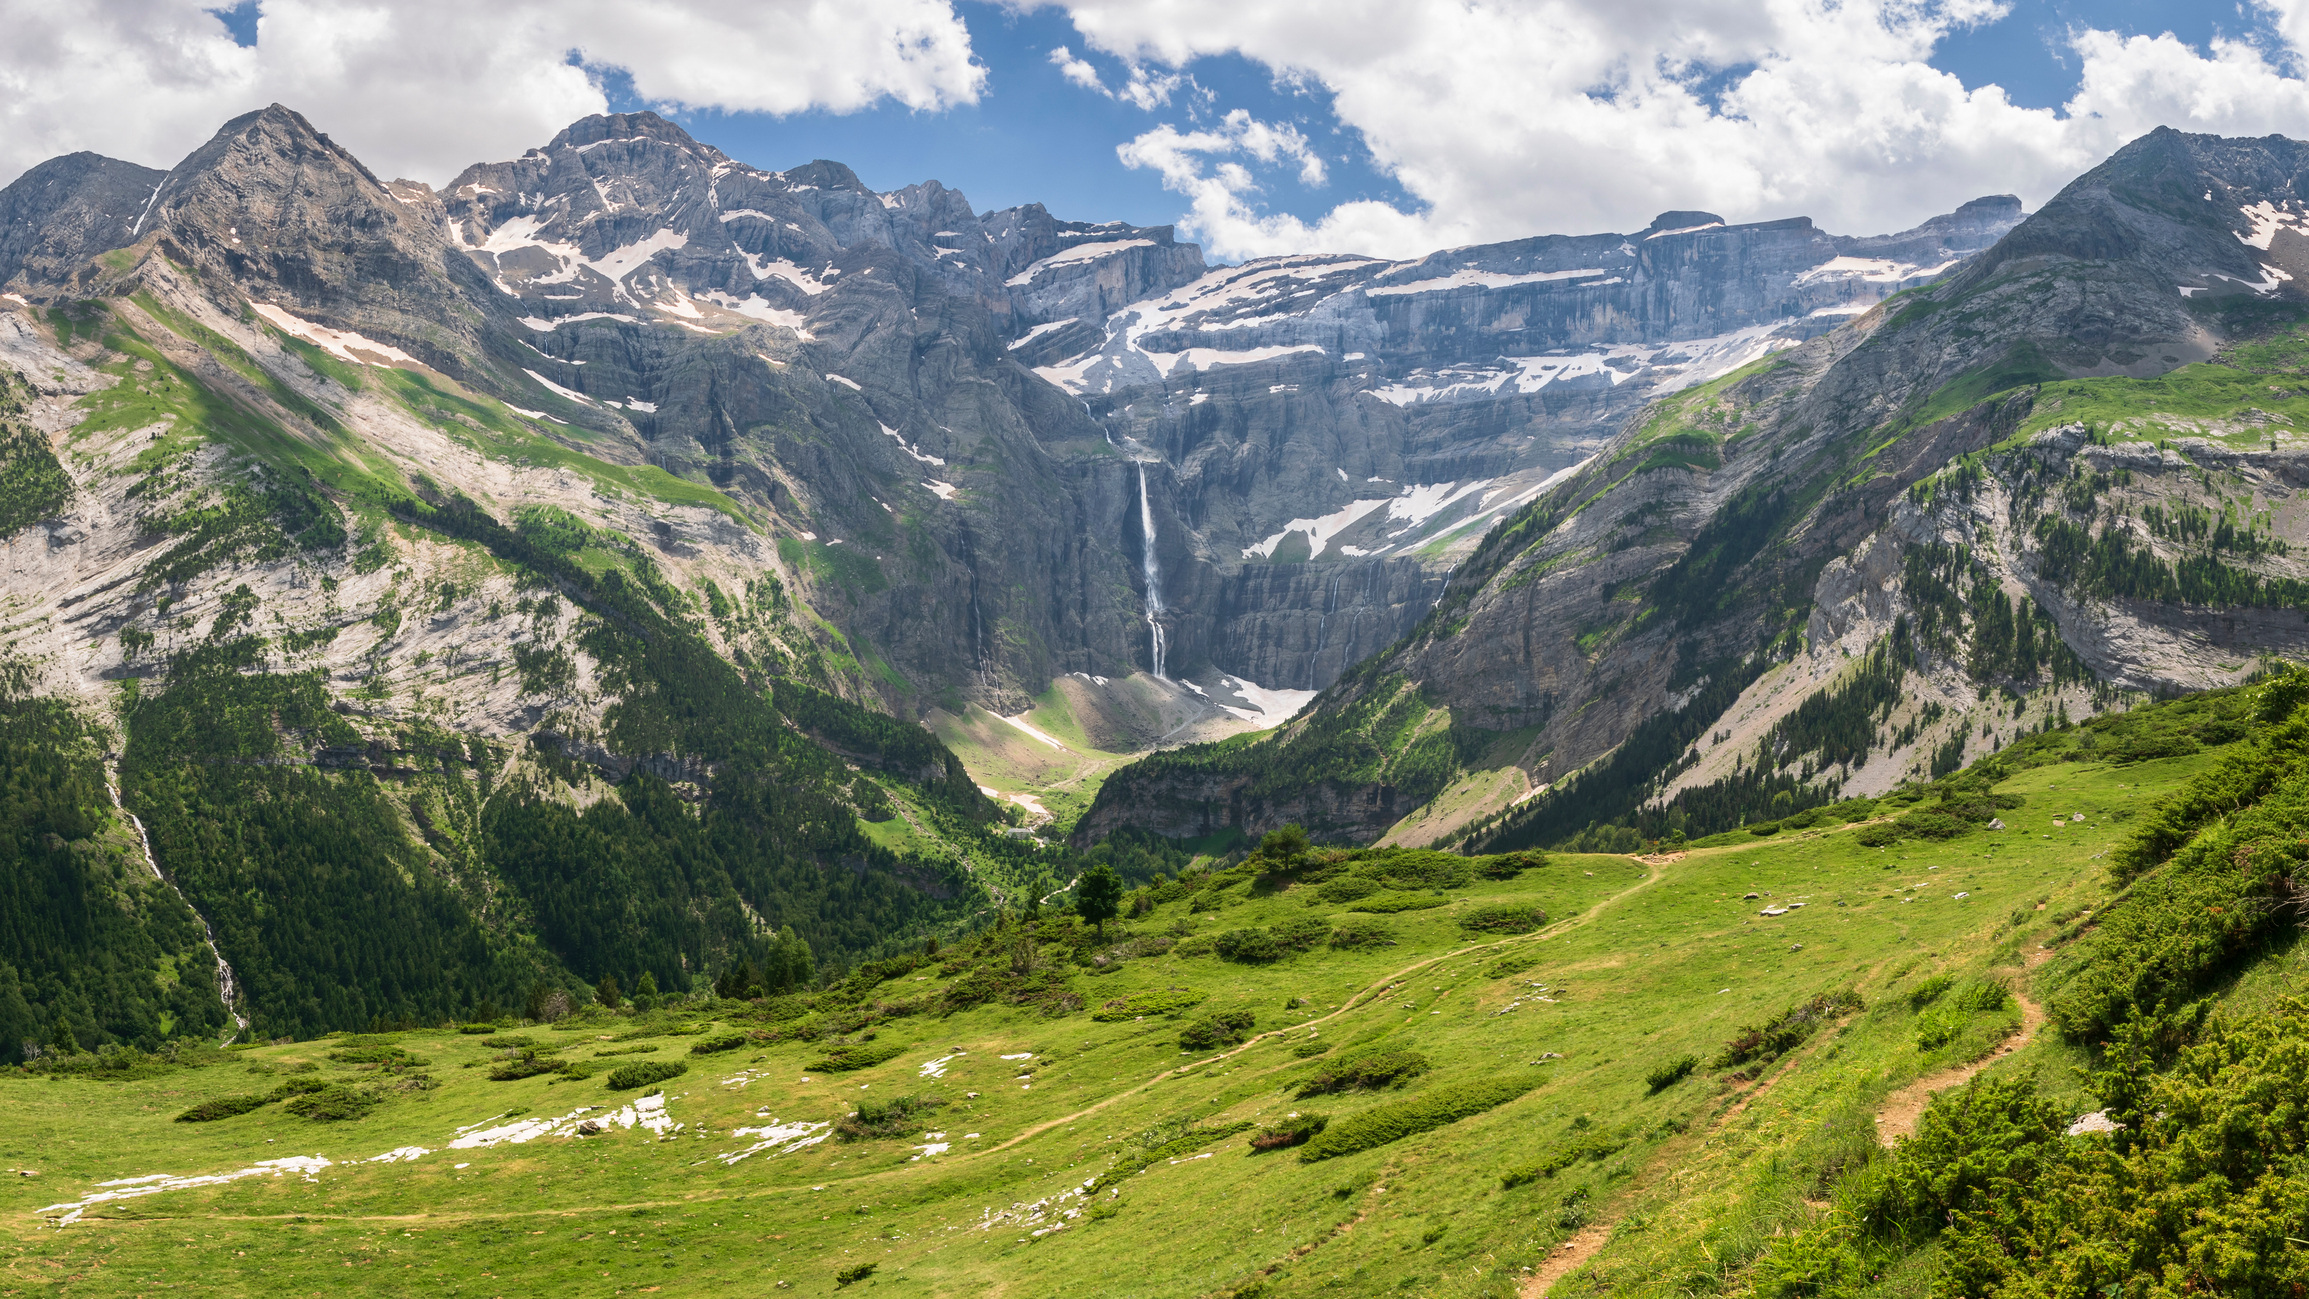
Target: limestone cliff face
<point>1740,545</point>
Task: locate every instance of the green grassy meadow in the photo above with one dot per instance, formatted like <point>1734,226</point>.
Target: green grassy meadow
<point>1638,964</point>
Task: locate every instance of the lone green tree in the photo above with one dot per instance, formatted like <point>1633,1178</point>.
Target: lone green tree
<point>606,991</point>
<point>1098,896</point>
<point>1284,847</point>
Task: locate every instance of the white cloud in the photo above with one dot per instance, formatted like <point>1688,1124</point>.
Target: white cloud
<point>1503,120</point>
<point>1147,90</point>
<point>423,87</point>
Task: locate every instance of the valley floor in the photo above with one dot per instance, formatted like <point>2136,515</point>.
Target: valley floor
<point>484,1187</point>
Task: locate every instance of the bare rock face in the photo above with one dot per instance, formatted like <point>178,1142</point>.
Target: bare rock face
<point>65,211</point>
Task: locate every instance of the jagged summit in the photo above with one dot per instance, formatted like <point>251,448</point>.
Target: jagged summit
<point>644,125</point>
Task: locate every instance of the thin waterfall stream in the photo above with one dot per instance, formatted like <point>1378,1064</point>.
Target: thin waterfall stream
<point>227,987</point>
<point>1154,575</point>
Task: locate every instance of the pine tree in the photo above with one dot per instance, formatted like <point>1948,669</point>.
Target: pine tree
<point>1098,896</point>
<point>606,992</point>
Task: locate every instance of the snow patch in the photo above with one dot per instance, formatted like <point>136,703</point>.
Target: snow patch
<point>1319,531</point>
<point>1039,330</point>
<point>788,1137</point>
<point>1472,278</point>
<point>1078,253</point>
<point>1021,723</point>
<point>69,1212</point>
<point>343,344</point>
<point>570,393</point>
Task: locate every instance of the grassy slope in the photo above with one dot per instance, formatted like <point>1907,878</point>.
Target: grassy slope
<point>1646,964</point>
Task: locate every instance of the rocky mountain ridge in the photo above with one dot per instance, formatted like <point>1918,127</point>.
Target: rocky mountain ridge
<point>2003,457</point>
<point>672,307</point>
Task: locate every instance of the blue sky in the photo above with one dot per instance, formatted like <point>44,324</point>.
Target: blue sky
<point>1405,126</point>
<point>1035,137</point>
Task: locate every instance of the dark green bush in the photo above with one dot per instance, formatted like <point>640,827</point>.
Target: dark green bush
<point>1671,1073</point>
<point>1596,1147</point>
<point>729,1041</point>
<point>1508,865</point>
<point>1309,1050</point>
<point>1503,919</point>
<point>1247,946</point>
<point>1296,1130</point>
<point>1926,824</point>
<point>1362,935</point>
<point>852,1275</point>
<point>1172,1002</point>
<point>1211,1032</point>
<point>1347,888</point>
<point>642,1073</point>
<point>1883,834</point>
<point>334,1103</point>
<point>900,1116</point>
<point>1772,1039</point>
<point>1366,1070</point>
<point>843,1057</point>
<point>223,1107</point>
<point>528,1064</point>
<point>1409,1117</point>
<point>1929,991</point>
<point>1390,903</point>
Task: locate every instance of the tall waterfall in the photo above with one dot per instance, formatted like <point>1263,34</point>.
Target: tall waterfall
<point>227,987</point>
<point>1154,574</point>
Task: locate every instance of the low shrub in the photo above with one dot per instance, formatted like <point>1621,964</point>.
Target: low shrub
<point>1984,995</point>
<point>1165,1141</point>
<point>1774,1038</point>
<point>528,1064</point>
<point>508,1042</point>
<point>1883,834</point>
<point>1510,964</point>
<point>223,1107</point>
<point>1348,888</point>
<point>1764,828</point>
<point>642,1073</point>
<point>1671,1073</point>
<point>1170,1001</point>
<point>1211,1032</point>
<point>1504,919</point>
<point>1929,991</point>
<point>476,1028</point>
<point>729,1041</point>
<point>1924,824</point>
<point>1309,1050</point>
<point>334,1103</point>
<point>1296,1130</point>
<point>1390,903</point>
<point>899,1116</point>
<point>1362,935</point>
<point>1508,865</point>
<point>1366,1071</point>
<point>1596,1147</point>
<point>842,1057</point>
<point>1432,1109</point>
<point>852,1275</point>
<point>1247,946</point>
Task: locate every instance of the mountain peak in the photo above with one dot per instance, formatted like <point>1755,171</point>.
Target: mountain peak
<point>644,125</point>
<point>1682,221</point>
